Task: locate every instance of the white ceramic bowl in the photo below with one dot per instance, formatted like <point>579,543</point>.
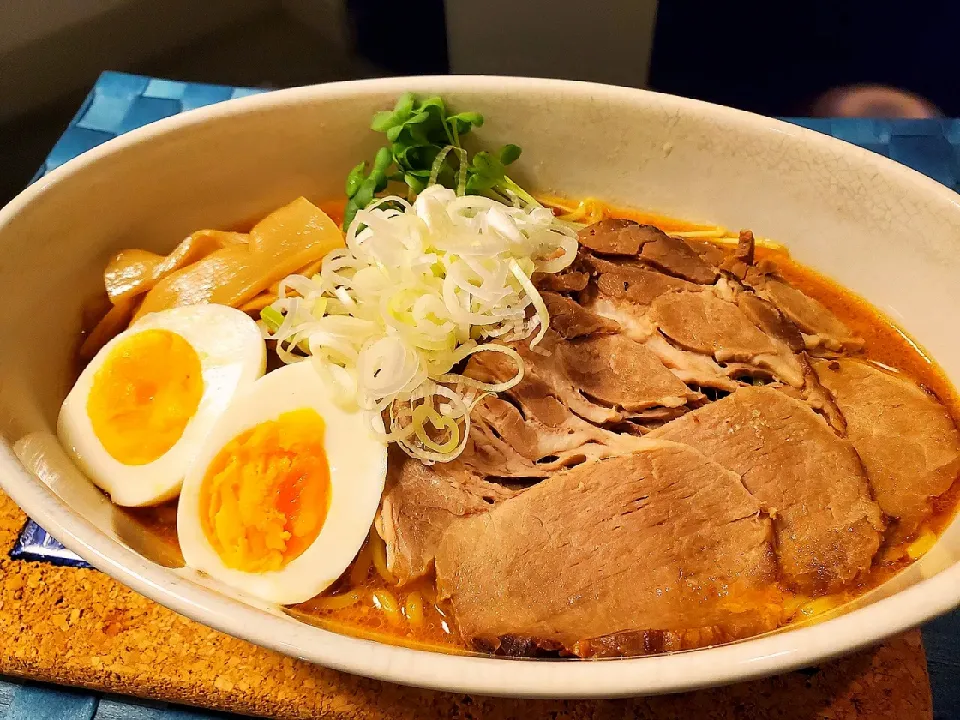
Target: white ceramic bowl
<point>878,228</point>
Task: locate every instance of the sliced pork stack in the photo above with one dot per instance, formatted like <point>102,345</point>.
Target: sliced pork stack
<point>638,492</point>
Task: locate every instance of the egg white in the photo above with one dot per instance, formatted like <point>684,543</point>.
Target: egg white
<point>232,354</point>
<point>358,468</point>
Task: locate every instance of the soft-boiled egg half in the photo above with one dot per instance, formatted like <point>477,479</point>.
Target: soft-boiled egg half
<point>140,411</point>
<point>284,491</point>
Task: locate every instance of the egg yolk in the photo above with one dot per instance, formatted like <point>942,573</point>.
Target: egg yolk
<point>265,496</point>
<point>144,394</point>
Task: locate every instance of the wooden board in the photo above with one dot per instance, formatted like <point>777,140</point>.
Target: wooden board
<point>79,627</point>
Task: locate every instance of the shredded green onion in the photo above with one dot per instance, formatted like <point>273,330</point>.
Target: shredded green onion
<point>420,287</point>
<point>272,318</point>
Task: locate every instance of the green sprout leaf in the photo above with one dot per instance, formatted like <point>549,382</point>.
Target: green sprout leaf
<point>355,178</point>
<point>509,153</point>
<point>382,160</point>
<point>383,121</point>
<point>424,146</point>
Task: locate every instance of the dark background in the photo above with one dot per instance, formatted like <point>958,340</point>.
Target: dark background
<point>774,57</point>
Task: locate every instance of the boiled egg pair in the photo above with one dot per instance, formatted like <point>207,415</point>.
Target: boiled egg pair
<point>278,485</point>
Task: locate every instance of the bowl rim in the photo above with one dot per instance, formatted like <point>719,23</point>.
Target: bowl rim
<point>683,671</point>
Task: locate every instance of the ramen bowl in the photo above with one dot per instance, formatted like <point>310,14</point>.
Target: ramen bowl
<point>879,229</point>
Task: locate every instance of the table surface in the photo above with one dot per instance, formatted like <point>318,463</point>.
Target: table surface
<point>119,103</point>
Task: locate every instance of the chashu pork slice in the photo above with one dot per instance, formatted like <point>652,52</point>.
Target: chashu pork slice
<point>661,539</point>
<point>807,478</point>
<point>907,440</point>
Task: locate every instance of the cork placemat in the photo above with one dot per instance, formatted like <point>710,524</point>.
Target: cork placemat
<point>76,626</point>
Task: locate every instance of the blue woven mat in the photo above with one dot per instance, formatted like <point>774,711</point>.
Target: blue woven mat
<point>119,103</point>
